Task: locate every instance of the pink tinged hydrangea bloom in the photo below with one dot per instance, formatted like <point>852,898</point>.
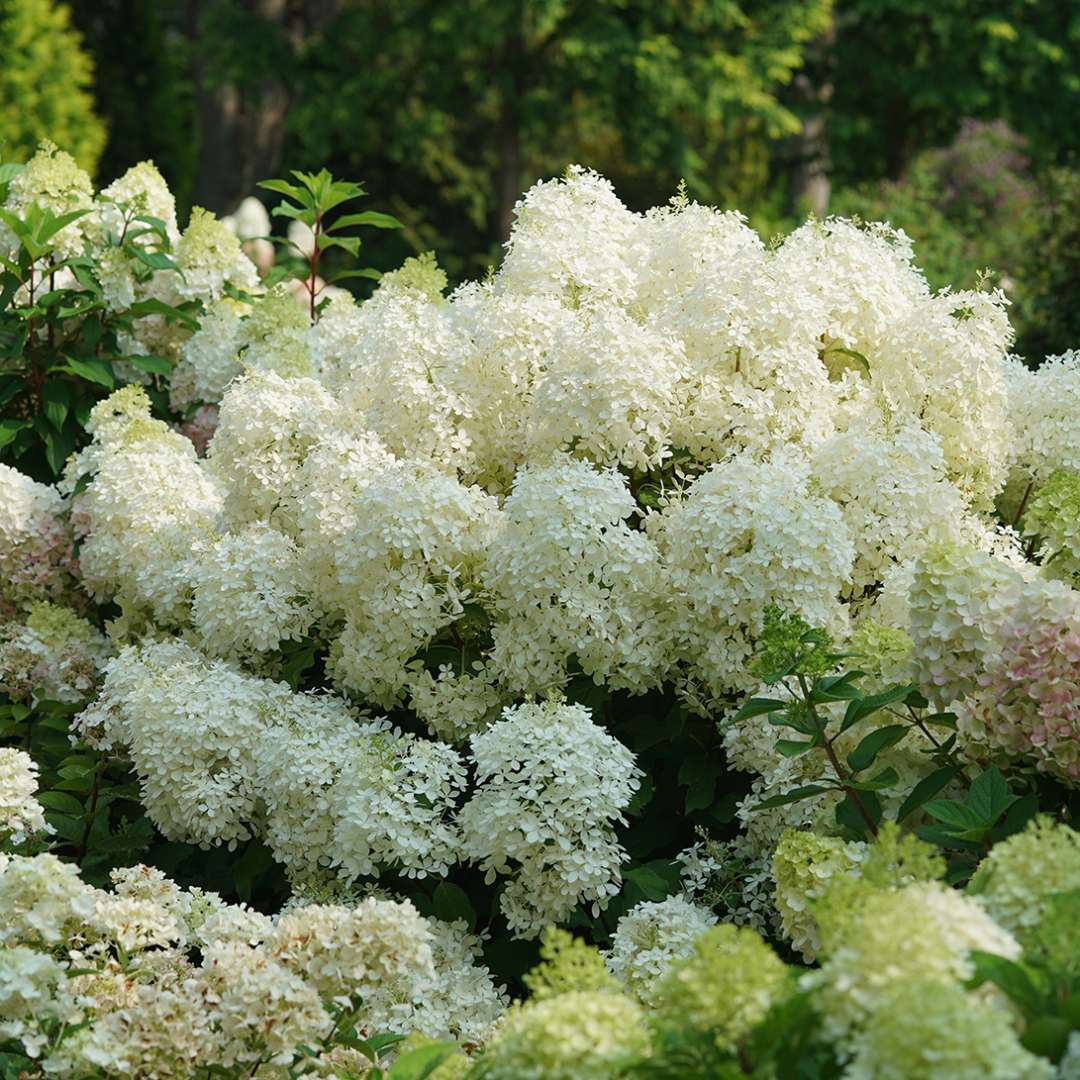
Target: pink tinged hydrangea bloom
<point>1027,702</point>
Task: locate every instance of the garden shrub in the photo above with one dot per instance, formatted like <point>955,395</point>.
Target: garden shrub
<point>713,600</point>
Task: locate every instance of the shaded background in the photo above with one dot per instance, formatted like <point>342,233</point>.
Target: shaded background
<point>958,121</point>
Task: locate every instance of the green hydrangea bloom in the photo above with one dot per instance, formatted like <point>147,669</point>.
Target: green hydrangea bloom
<point>724,987</point>
<point>804,867</point>
<point>880,939</point>
<point>420,274</point>
<point>893,860</point>
<point>1015,880</point>
<point>1054,515</point>
<point>789,643</point>
<point>568,963</point>
<point>580,1035</point>
<point>927,1030</point>
<point>885,652</point>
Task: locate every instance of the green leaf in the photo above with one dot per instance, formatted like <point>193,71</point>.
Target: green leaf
<point>345,275</point>
<point>698,775</point>
<point>759,707</point>
<point>452,904</point>
<point>9,429</point>
<point>153,365</point>
<point>1047,1036</point>
<point>156,260</point>
<point>862,707</point>
<point>351,244</point>
<point>791,748</point>
<point>863,755</point>
<point>69,828</point>
<point>836,688</point>
<point>296,663</point>
<point>170,312</point>
<point>651,884</point>
<point>990,796</point>
<point>368,217</point>
<point>1009,976</point>
<point>52,224</point>
<point>282,187</point>
<point>849,817</point>
<point>421,1063</point>
<point>57,800</point>
<point>807,791</point>
<point>954,814</point>
<point>887,778</point>
<point>858,356</point>
<point>93,368</point>
<point>57,449</point>
<point>926,789</point>
<point>297,213</point>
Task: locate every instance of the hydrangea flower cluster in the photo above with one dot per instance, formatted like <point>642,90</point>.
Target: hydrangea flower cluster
<point>150,979</point>
<point>550,786</point>
<point>610,462</point>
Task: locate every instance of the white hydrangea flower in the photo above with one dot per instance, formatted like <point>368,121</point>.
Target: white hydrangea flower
<point>1044,412</point>
<point>609,392</point>
<point>568,575</point>
<point>748,535</point>
<point>21,815</point>
<point>550,786</point>
<point>958,598</point>
<point>251,592</point>
<point>141,191</point>
<point>55,654</point>
<point>147,493</point>
<point>889,479</point>
<point>260,1008</point>
<point>405,566</point>
<point>957,388</point>
<point>455,705</point>
<point>398,379</point>
<point>209,358</point>
<point>43,899</point>
<point>458,1001</point>
<point>393,804</point>
<point>53,181</point>
<point>266,428</point>
<point>210,257</point>
<point>573,239</point>
<point>650,937</point>
<point>35,541</point>
<point>353,952</point>
<point>505,342</point>
<point>275,336</point>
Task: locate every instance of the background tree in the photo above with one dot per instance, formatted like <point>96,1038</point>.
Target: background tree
<point>465,103</point>
<point>908,71</point>
<point>142,84</point>
<point>45,81</point>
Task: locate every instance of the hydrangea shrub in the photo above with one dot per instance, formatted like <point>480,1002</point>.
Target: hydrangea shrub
<point>710,598</point>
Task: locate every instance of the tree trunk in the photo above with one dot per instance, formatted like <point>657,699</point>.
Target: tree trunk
<point>810,179</point>
<point>242,126</point>
<point>508,137</point>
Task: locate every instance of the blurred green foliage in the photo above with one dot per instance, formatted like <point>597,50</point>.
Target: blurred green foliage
<point>46,78</point>
<point>450,110</point>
